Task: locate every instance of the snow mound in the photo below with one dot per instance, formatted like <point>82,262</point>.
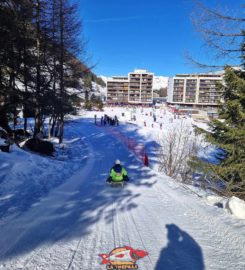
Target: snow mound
<point>216,201</point>
<point>236,206</point>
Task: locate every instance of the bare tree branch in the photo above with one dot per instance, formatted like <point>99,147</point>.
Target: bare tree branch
<point>178,145</point>
<point>217,14</point>
<point>190,59</point>
<point>222,34</point>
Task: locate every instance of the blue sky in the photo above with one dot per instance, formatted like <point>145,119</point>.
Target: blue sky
<point>153,34</point>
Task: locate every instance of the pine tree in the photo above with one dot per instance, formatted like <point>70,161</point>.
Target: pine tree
<point>223,34</point>
<point>69,47</point>
<point>14,43</point>
<point>38,49</point>
<point>228,133</point>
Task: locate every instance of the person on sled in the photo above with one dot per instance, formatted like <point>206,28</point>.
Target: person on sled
<point>117,173</point>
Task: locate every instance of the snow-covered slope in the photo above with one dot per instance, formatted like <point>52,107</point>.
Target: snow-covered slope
<point>71,224</point>
<point>98,90</point>
<point>160,82</point>
<point>104,78</point>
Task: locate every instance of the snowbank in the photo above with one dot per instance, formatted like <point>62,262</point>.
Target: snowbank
<point>216,201</point>
<point>25,177</point>
<point>236,207</point>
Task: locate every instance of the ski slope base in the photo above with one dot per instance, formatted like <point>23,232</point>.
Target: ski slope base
<point>83,217</point>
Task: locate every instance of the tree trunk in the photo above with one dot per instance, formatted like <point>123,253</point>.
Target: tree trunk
<point>4,121</point>
<point>61,133</point>
<point>37,128</point>
<point>61,17</point>
<point>57,129</point>
<point>53,125</point>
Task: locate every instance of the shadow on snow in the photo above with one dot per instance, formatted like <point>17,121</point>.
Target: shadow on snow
<point>182,251</point>
<point>91,202</point>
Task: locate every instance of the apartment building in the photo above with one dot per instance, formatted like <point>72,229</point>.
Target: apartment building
<point>140,87</point>
<point>134,89</point>
<point>195,90</point>
<point>117,90</point>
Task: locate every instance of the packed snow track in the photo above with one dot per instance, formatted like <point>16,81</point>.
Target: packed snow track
<point>71,225</point>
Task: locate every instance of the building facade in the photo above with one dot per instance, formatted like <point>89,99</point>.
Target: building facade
<point>134,89</point>
<point>117,90</point>
<point>199,90</point>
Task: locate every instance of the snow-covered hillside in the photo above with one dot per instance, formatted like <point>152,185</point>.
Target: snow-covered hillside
<point>104,78</point>
<point>98,90</point>
<point>160,82</point>
<point>58,213</point>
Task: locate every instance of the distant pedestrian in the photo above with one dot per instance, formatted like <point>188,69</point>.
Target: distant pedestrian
<point>116,121</point>
<point>95,119</point>
<point>160,125</point>
<point>102,121</point>
<point>154,118</point>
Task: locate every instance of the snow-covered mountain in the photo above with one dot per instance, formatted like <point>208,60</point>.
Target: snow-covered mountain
<point>160,82</point>
<point>104,78</point>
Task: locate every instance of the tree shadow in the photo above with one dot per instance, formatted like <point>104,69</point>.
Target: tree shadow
<point>150,146</point>
<point>91,201</point>
<point>182,252</point>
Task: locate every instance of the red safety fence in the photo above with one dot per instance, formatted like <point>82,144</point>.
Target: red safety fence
<point>138,149</point>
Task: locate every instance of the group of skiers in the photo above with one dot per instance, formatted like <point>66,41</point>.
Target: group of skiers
<point>107,120</point>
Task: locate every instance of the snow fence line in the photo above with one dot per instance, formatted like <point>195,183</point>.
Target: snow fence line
<point>138,149</point>
<point>234,205</point>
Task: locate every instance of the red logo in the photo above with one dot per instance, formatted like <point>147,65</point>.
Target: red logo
<point>123,258</point>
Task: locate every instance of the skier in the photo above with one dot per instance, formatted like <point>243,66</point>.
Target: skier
<point>118,174</point>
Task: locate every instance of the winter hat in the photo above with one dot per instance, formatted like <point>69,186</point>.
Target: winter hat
<point>117,161</point>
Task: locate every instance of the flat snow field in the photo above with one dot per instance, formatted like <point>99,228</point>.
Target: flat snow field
<point>82,217</point>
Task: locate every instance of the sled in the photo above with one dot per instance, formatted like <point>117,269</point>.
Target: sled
<point>117,184</point>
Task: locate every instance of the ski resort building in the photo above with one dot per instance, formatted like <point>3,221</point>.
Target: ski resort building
<point>195,90</point>
<point>134,89</point>
<point>117,90</point>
